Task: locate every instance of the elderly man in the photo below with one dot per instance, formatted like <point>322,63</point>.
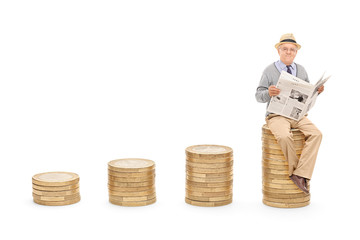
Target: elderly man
<point>300,170</point>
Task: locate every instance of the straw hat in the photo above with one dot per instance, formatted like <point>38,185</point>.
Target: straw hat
<point>287,38</point>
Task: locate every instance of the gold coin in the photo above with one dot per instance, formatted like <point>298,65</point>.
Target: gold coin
<point>132,199</point>
<point>287,200</point>
<point>209,175</point>
<point>131,174</point>
<point>130,189</point>
<point>209,170</point>
<point>275,162</point>
<point>208,194</point>
<point>208,151</point>
<point>55,189</point>
<point>131,179</point>
<point>298,143</point>
<point>131,165</point>
<point>271,146</point>
<point>275,176</point>
<point>56,194</point>
<point>278,147</point>
<point>269,141</point>
<point>276,172</point>
<point>209,165</point>
<point>279,195</point>
<point>281,191</point>
<point>278,167</point>
<point>298,147</point>
<point>131,170</point>
<point>59,203</point>
<point>272,151</point>
<point>55,199</point>
<point>271,137</point>
<point>209,199</point>
<point>278,181</point>
<point>273,157</point>
<point>278,152</point>
<point>275,167</point>
<point>271,176</point>
<point>276,157</point>
<point>207,204</point>
<point>55,179</point>
<point>131,184</point>
<point>209,180</point>
<point>132,204</point>
<point>280,186</point>
<point>213,184</point>
<point>209,189</point>
<point>286,205</point>
<point>211,160</point>
<point>132,194</point>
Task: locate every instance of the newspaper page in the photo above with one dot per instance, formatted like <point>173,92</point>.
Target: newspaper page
<point>296,96</point>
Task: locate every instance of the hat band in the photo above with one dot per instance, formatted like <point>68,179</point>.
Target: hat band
<point>288,40</point>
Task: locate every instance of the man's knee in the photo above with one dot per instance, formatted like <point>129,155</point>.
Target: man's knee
<point>317,134</point>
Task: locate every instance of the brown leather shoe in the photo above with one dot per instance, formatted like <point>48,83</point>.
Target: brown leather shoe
<point>300,183</point>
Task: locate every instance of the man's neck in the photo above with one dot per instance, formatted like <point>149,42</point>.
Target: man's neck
<point>287,64</point>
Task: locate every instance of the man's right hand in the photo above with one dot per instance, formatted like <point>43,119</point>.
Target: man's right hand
<point>273,91</point>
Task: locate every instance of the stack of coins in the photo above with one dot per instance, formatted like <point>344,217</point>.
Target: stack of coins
<point>131,182</point>
<point>278,189</point>
<point>56,188</point>
<point>209,175</point>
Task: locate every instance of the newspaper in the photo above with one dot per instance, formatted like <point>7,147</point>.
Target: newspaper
<point>296,96</point>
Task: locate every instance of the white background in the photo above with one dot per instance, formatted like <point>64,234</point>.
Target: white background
<point>86,82</point>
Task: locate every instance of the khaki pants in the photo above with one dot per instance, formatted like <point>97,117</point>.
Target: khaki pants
<point>280,126</point>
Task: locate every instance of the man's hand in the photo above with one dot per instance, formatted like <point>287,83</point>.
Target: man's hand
<point>273,91</point>
<point>321,89</point>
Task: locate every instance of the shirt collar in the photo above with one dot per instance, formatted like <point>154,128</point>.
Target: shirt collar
<point>283,66</point>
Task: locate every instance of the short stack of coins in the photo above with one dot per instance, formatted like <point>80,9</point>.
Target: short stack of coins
<point>278,189</point>
<point>131,182</point>
<point>209,175</point>
<point>56,188</point>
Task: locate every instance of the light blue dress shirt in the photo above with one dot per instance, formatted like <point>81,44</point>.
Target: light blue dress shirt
<point>282,67</point>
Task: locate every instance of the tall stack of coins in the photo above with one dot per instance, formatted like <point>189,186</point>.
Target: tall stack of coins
<point>209,175</point>
<point>56,188</point>
<point>278,189</point>
<point>131,182</point>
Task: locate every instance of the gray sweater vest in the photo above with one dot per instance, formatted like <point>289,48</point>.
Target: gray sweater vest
<point>270,77</point>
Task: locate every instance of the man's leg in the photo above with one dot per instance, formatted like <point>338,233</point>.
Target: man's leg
<point>313,136</point>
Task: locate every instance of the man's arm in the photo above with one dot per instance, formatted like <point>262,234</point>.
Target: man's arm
<point>262,91</point>
<point>265,91</point>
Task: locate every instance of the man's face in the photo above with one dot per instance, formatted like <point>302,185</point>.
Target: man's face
<point>287,53</point>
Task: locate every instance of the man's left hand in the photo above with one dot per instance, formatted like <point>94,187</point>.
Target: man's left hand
<point>321,89</point>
